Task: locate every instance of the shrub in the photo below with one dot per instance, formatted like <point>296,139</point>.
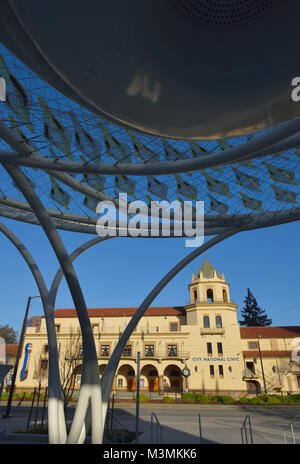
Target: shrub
<point>189,397</point>
<point>255,401</point>
<point>143,398</point>
<point>294,399</point>
<point>244,400</point>
<point>271,399</point>
<point>225,399</point>
<point>201,398</point>
<point>167,399</point>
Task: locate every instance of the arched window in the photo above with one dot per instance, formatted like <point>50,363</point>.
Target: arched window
<point>195,296</point>
<point>206,323</point>
<point>225,296</point>
<point>218,322</point>
<point>210,295</point>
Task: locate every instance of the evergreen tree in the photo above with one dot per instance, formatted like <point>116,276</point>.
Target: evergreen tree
<point>253,315</point>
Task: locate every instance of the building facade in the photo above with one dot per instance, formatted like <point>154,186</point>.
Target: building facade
<point>204,336</point>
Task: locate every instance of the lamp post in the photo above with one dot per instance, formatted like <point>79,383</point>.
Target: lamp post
<point>186,373</point>
<point>7,414</point>
<point>137,418</point>
<point>262,367</point>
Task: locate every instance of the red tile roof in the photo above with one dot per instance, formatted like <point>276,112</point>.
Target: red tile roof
<point>270,332</point>
<point>114,312</point>
<point>268,353</point>
<point>11,350</point>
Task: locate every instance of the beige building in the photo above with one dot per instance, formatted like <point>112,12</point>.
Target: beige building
<point>204,336</point>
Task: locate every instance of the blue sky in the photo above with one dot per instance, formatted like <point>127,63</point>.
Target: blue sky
<point>121,271</point>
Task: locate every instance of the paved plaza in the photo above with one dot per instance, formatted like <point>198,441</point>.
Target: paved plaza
<point>220,424</point>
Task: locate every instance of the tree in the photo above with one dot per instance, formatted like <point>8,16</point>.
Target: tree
<point>253,315</point>
<point>9,334</point>
<point>70,359</point>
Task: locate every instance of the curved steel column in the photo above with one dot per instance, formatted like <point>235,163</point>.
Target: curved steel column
<point>110,370</point>
<point>90,387</point>
<point>256,145</point>
<point>57,426</point>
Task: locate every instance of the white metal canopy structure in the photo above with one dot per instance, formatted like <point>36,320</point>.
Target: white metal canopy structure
<point>84,120</point>
<point>183,69</point>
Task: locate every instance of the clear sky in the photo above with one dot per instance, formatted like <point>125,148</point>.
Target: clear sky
<point>121,271</point>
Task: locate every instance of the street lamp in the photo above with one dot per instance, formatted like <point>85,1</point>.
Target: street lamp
<point>262,367</point>
<point>7,414</point>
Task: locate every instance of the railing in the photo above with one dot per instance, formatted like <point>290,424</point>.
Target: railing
<point>158,429</point>
<point>212,330</point>
<point>291,427</point>
<point>188,302</point>
<point>244,431</point>
<point>115,423</point>
<point>155,354</point>
<point>250,373</point>
<point>139,329</point>
<point>163,354</point>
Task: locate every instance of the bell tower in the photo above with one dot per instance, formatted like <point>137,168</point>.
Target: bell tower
<point>208,286</point>
<point>210,299</point>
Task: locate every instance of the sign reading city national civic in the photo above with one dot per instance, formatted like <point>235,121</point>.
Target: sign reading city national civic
<point>211,359</point>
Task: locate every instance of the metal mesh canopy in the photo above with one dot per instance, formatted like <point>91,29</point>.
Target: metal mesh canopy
<point>68,152</point>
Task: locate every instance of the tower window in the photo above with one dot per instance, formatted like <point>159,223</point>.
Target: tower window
<point>206,323</point>
<point>210,295</point>
<point>195,296</point>
<point>225,296</point>
<point>218,322</point>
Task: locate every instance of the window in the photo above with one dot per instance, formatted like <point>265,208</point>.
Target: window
<point>157,329</point>
<point>209,349</point>
<point>195,296</point>
<point>220,348</point>
<point>172,350</point>
<point>57,328</point>
<point>210,295</point>
<point>218,322</point>
<point>120,382</point>
<point>104,350</point>
<point>298,380</point>
<point>206,323</point>
<point>44,364</point>
<point>253,345</point>
<point>211,371</point>
<point>225,296</point>
<point>46,349</point>
<point>250,367</point>
<point>149,350</point>
<point>127,350</point>
<point>221,371</point>
<point>173,327</point>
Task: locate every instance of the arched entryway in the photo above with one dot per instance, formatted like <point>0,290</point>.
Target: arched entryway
<point>126,378</point>
<point>101,369</point>
<point>253,387</point>
<point>172,380</point>
<point>149,378</point>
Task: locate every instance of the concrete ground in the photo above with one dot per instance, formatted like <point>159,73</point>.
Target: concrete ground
<point>220,424</point>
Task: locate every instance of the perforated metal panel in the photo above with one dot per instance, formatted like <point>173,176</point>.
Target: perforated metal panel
<point>225,12</point>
